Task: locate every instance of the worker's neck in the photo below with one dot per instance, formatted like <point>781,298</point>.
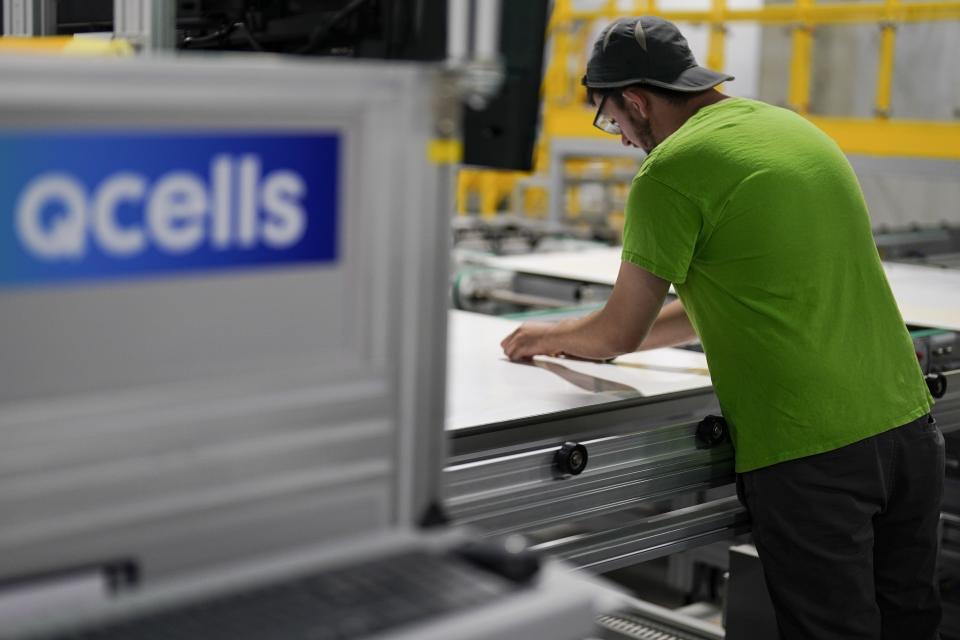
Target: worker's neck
<point>688,110</point>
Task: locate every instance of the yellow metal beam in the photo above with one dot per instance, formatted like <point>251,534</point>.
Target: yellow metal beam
<point>798,95</point>
<point>65,45</point>
<point>570,122</point>
<point>866,136</point>
<point>888,39</point>
<point>716,44</point>
<point>580,48</point>
<point>833,13</point>
<point>888,43</point>
<point>880,137</point>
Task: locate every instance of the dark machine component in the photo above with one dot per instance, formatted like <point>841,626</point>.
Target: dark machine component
<point>345,602</point>
<point>397,29</point>
<point>519,565</point>
<point>384,29</point>
<point>84,16</point>
<point>571,459</point>
<point>937,383</point>
<point>503,134</point>
<point>938,350</point>
<point>929,245</point>
<point>711,431</point>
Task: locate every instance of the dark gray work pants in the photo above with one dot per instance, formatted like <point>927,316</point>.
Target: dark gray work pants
<point>849,539</point>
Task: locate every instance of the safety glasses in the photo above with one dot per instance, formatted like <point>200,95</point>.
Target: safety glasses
<point>604,123</point>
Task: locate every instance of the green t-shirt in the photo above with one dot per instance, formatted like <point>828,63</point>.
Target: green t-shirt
<point>757,218</point>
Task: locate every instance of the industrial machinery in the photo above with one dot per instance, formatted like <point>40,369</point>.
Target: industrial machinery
<point>222,397</point>
<point>933,246</point>
<point>571,453</point>
<point>499,117</point>
<point>654,472</point>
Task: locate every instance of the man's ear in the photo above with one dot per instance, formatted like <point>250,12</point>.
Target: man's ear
<point>637,99</point>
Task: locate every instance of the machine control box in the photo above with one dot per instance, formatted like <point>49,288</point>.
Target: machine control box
<point>937,351</point>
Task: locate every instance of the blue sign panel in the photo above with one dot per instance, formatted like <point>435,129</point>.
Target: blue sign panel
<point>87,206</point>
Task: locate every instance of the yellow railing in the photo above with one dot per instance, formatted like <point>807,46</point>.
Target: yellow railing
<point>802,17</point>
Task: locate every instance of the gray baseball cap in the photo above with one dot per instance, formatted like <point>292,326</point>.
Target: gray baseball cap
<point>646,50</point>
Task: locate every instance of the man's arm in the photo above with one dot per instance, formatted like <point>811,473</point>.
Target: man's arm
<point>620,327</point>
<point>671,328</point>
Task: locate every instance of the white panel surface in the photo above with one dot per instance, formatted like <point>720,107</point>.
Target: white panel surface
<point>928,296</point>
<point>483,387</point>
<point>598,266</point>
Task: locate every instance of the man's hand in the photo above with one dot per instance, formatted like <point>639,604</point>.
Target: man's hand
<point>528,340</point>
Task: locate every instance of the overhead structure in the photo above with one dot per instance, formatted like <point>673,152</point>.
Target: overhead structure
<point>566,114</point>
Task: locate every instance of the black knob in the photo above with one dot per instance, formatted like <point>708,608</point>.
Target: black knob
<point>571,458</point>
<point>711,431</point>
<point>520,565</point>
<point>937,383</point>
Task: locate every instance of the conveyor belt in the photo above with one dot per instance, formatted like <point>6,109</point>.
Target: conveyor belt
<point>630,627</point>
<point>635,625</point>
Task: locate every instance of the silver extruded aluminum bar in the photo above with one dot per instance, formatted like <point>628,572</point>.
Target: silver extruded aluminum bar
<point>653,537</point>
<point>487,44</point>
<point>29,17</point>
<point>458,24</point>
<point>148,24</point>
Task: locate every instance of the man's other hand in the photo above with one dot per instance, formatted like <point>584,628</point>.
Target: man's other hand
<point>528,340</point>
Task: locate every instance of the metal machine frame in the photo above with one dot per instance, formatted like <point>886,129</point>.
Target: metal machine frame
<point>70,463</point>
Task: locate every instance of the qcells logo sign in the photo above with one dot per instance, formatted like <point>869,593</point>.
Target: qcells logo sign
<point>115,205</point>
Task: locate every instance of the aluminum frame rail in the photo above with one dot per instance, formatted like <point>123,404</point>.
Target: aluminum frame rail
<point>504,479</point>
<point>507,480</point>
<point>652,537</point>
<point>150,25</point>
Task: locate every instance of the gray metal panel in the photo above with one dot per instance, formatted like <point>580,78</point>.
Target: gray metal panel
<point>29,17</point>
<point>150,24</point>
<point>186,422</point>
<point>637,454</point>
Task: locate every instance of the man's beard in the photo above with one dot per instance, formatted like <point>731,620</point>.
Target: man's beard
<point>645,132</point>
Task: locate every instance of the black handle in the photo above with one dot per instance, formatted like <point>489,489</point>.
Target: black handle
<point>571,459</point>
<point>937,383</point>
<point>711,431</point>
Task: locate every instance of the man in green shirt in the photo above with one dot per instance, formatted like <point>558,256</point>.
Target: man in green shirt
<point>757,219</point>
